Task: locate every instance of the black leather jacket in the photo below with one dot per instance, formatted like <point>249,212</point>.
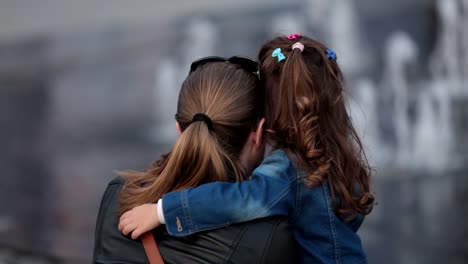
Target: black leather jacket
<point>260,241</point>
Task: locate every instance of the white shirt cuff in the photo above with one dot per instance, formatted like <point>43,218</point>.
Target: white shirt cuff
<point>160,212</point>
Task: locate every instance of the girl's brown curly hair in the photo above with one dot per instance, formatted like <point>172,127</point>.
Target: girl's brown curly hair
<point>306,116</point>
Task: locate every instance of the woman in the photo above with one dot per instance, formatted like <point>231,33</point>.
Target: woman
<point>220,139</point>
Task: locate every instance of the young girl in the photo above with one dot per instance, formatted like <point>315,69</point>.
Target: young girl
<point>317,174</point>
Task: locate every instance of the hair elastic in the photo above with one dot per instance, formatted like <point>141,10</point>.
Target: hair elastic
<point>298,45</point>
<point>204,118</point>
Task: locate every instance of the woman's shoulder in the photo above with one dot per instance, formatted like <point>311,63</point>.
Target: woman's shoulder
<point>110,246</point>
<point>272,237</point>
<point>119,180</point>
<point>113,187</point>
<point>267,240</point>
<point>109,196</point>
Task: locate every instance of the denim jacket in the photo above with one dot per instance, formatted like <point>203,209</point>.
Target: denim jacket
<point>276,188</point>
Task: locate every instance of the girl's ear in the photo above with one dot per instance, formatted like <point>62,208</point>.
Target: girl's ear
<point>258,139</point>
<point>179,131</point>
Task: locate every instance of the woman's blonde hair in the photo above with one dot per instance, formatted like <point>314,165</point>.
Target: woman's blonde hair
<point>230,97</point>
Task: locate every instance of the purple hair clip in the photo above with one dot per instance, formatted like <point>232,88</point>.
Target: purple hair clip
<point>294,36</point>
<point>331,54</point>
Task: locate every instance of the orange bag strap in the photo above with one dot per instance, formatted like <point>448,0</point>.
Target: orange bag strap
<point>151,248</point>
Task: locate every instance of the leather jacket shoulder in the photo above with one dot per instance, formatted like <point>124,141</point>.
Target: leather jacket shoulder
<point>267,240</point>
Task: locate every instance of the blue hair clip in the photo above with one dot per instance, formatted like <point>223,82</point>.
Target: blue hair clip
<point>331,54</point>
<point>278,54</point>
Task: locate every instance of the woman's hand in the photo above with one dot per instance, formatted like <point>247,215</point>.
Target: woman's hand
<point>139,220</point>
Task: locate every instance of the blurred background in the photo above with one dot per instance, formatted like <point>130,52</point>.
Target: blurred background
<point>89,87</point>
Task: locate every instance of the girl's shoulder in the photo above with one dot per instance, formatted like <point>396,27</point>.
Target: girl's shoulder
<point>278,154</point>
<point>276,163</point>
<point>279,157</point>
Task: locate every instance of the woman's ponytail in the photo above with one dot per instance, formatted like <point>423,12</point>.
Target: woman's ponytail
<point>196,158</point>
<point>216,111</point>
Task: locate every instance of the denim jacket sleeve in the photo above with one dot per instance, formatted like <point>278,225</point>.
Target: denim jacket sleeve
<point>218,204</point>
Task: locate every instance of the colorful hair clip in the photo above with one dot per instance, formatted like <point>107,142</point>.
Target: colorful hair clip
<point>331,54</point>
<point>298,45</point>
<point>278,54</point>
<point>294,36</point>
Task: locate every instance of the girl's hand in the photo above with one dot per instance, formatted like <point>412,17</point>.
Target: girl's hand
<point>139,220</point>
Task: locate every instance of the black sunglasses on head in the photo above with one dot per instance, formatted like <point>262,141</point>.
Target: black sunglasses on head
<point>245,63</point>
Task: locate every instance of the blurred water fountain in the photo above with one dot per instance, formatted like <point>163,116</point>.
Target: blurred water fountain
<point>400,50</point>
<point>317,13</point>
<point>167,87</point>
<point>426,153</point>
<point>364,114</point>
<point>199,41</point>
<point>444,63</point>
<point>464,32</point>
<point>343,25</point>
<point>99,88</point>
<point>286,22</point>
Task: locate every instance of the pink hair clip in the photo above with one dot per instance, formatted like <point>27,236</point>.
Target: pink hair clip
<point>294,36</point>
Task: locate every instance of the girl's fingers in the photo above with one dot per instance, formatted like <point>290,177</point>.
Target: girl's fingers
<point>124,219</point>
<point>126,215</point>
<point>136,233</point>
<point>127,229</point>
<point>122,224</point>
